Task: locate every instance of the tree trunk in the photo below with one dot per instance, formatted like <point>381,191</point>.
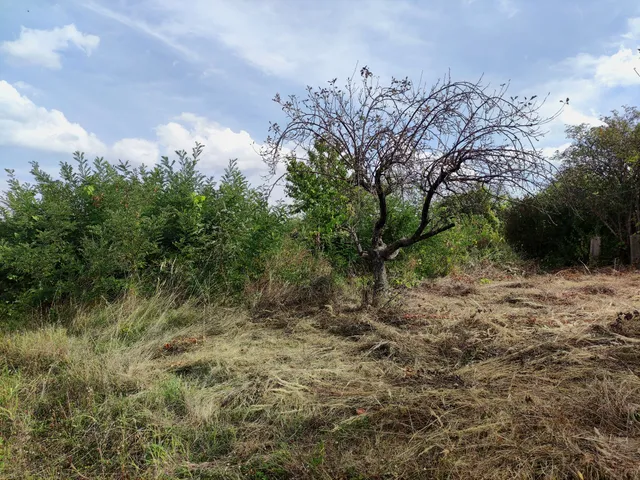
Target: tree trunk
<point>380,281</point>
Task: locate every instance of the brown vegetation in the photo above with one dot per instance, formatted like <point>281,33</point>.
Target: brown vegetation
<point>518,378</point>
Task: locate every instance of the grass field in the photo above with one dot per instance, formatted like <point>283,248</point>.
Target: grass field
<point>524,377</point>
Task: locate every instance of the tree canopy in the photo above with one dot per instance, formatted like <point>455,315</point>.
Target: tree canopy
<point>407,138</point>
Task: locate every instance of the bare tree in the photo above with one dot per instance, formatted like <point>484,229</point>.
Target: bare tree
<point>447,138</point>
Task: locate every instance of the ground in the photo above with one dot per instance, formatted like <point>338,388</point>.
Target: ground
<point>464,377</point>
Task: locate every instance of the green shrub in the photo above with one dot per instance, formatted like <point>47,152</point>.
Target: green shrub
<point>546,229</point>
<point>478,238</point>
<point>101,229</point>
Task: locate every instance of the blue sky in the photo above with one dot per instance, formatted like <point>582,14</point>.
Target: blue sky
<point>136,79</point>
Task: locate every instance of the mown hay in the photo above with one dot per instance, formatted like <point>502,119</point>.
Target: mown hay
<point>444,387</point>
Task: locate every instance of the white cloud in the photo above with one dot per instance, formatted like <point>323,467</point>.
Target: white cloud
<point>508,7</point>
<point>551,151</point>
<point>588,80</point>
<point>615,70</point>
<point>27,88</point>
<point>634,29</point>
<point>141,26</point>
<point>24,124</point>
<point>136,151</point>
<point>610,70</point>
<point>572,116</point>
<point>583,93</point>
<point>267,34</point>
<point>221,143</point>
<point>43,47</point>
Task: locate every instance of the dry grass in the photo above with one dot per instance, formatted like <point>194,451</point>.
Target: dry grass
<point>519,378</point>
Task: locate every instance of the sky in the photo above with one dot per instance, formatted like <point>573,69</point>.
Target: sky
<point>137,79</point>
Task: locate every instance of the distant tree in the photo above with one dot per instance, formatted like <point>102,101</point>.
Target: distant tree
<point>550,230</point>
<point>407,138</point>
<point>601,172</point>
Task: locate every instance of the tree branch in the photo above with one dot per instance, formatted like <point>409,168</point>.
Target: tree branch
<point>356,241</point>
<point>435,232</point>
<point>408,241</point>
<point>402,137</point>
<point>382,205</point>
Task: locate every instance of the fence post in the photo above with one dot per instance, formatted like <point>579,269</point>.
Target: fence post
<point>634,243</point>
<point>594,250</point>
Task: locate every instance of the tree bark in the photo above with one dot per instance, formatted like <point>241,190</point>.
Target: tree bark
<point>380,280</point>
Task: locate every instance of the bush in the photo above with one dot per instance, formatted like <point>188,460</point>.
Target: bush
<point>477,238</point>
<point>324,227</point>
<point>547,229</point>
<point>101,229</point>
<point>595,194</point>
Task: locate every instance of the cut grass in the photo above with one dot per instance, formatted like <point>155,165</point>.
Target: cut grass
<point>452,382</point>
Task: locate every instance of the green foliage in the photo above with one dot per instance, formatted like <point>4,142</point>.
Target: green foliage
<point>294,276</point>
<point>101,229</point>
<point>271,467</point>
<point>333,210</point>
<point>546,229</point>
<point>331,207</point>
<point>234,231</point>
<point>321,190</point>
<point>478,237</point>
<point>596,193</point>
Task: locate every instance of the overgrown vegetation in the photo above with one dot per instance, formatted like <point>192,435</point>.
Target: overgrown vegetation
<point>597,192</point>
<point>159,323</point>
<point>100,230</point>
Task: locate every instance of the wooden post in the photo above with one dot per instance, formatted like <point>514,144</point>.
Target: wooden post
<point>594,251</point>
<point>634,242</point>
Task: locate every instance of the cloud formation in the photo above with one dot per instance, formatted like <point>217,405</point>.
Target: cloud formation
<point>24,124</point>
<point>43,47</point>
<point>268,35</point>
<point>224,60</point>
<point>136,151</point>
<point>221,143</point>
